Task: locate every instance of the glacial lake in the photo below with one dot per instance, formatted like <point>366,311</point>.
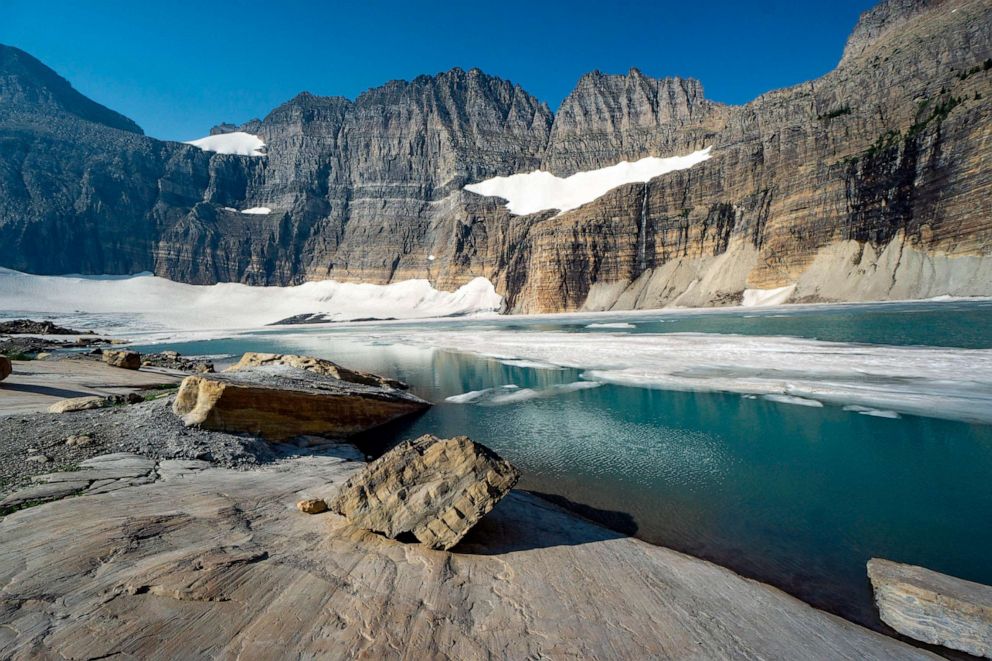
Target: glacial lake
<point>799,496</point>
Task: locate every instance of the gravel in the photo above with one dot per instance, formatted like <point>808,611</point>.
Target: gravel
<point>149,429</point>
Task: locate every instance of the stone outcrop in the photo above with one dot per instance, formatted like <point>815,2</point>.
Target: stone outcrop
<point>78,404</point>
<point>933,607</point>
<point>870,182</point>
<point>174,361</point>
<point>280,402</point>
<point>315,365</point>
<point>312,506</point>
<point>435,489</point>
<point>30,326</point>
<point>207,562</point>
<point>129,360</point>
<point>6,367</point>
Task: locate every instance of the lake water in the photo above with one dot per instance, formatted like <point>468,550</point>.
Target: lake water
<point>800,496</point>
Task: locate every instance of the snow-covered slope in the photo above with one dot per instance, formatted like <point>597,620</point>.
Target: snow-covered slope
<point>238,142</point>
<point>538,190</point>
<point>174,305</point>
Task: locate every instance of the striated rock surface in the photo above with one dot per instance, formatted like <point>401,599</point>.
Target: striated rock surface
<point>435,489</point>
<point>316,366</point>
<point>215,563</point>
<point>871,182</point>
<point>933,607</point>
<point>281,402</point>
<point>129,360</point>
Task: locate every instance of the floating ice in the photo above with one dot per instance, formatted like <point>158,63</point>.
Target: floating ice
<point>929,381</point>
<point>611,325</point>
<point>238,142</point>
<point>792,399</point>
<point>537,191</point>
<point>512,394</point>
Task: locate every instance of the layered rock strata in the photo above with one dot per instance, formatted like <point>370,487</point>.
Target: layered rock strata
<point>435,489</point>
<point>871,182</point>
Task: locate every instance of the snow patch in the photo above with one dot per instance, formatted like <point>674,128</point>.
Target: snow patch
<point>535,191</point>
<point>175,305</point>
<point>238,142</point>
<point>754,298</point>
<point>257,211</point>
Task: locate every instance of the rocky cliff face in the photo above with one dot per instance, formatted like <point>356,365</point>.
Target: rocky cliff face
<point>871,182</point>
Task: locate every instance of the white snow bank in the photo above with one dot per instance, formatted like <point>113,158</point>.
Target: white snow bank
<point>754,298</point>
<point>259,211</point>
<point>238,142</point>
<point>536,191</point>
<point>174,305</point>
<point>935,382</point>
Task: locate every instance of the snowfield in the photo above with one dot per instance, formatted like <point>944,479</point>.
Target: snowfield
<point>538,191</point>
<point>174,305</point>
<point>257,211</point>
<point>238,142</point>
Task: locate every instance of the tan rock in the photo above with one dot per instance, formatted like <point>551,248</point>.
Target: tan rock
<point>933,607</point>
<point>436,489</point>
<point>281,403</point>
<point>82,440</point>
<point>315,365</point>
<point>129,360</point>
<point>78,404</point>
<point>312,506</point>
<point>42,356</point>
<point>5,367</point>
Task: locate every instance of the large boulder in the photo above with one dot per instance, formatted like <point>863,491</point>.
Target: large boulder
<point>129,360</point>
<point>436,489</point>
<point>315,365</point>
<point>281,402</point>
<point>5,367</point>
<point>933,607</point>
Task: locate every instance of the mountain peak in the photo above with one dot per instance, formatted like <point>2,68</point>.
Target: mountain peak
<point>27,84</point>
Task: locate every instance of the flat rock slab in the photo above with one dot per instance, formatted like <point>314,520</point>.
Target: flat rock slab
<point>315,365</point>
<point>436,489</point>
<point>99,474</point>
<point>222,565</point>
<point>282,402</point>
<point>37,384</point>
<point>933,607</point>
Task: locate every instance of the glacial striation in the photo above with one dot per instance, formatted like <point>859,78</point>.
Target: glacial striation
<point>871,182</point>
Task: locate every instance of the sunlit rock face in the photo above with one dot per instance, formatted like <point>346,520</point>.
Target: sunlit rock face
<point>868,183</point>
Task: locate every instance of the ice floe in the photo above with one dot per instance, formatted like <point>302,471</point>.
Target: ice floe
<point>618,324</point>
<point>538,191</point>
<point>882,380</point>
<point>511,394</point>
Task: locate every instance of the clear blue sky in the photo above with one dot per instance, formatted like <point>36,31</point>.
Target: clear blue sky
<point>178,67</point>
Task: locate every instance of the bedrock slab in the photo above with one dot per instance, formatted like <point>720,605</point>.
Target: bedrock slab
<point>221,564</point>
<point>933,607</point>
<point>315,365</point>
<point>435,488</point>
<point>280,402</point>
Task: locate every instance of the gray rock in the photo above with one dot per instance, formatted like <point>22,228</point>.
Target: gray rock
<point>933,607</point>
<point>435,489</point>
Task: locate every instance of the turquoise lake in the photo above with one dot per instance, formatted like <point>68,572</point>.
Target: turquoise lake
<point>797,496</point>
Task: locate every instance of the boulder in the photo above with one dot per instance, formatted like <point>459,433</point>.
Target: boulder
<point>315,365</point>
<point>5,367</point>
<point>932,607</point>
<point>280,402</point>
<point>78,404</point>
<point>312,506</point>
<point>436,489</point>
<point>80,440</point>
<point>129,360</point>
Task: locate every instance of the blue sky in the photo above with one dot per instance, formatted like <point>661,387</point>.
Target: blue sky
<point>179,67</point>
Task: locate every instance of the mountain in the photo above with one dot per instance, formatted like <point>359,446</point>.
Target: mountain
<point>872,182</point>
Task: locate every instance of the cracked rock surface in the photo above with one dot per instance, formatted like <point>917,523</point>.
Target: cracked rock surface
<point>216,563</point>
